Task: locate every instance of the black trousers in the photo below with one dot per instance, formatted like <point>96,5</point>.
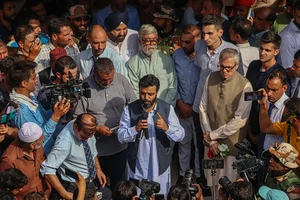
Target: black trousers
<point>200,145</point>
<point>114,167</point>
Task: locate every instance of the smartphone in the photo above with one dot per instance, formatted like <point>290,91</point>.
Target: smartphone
<point>114,128</point>
<point>253,96</point>
<point>250,13</point>
<point>71,174</point>
<point>37,38</point>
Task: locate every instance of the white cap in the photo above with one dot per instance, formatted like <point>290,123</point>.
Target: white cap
<point>30,132</point>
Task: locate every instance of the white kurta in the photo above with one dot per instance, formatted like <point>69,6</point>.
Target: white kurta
<point>147,158</point>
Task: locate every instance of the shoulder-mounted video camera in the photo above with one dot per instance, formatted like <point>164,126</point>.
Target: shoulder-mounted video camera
<point>73,89</point>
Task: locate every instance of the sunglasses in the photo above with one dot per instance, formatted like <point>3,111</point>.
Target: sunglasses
<point>79,19</point>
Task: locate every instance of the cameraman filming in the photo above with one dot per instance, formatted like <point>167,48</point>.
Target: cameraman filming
<point>24,76</point>
<point>64,67</point>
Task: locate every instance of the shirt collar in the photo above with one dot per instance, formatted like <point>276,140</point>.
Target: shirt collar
<point>90,54</point>
<point>278,104</point>
<point>294,27</point>
<point>218,49</point>
<point>260,33</point>
<point>243,45</point>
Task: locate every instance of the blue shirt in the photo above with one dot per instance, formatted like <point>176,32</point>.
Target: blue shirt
<point>39,116</point>
<point>133,22</point>
<point>256,38</point>
<point>85,62</point>
<point>68,152</point>
<point>290,44</point>
<point>208,63</point>
<point>187,75</point>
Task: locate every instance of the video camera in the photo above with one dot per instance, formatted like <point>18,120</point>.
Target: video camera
<point>71,90</point>
<point>246,162</point>
<point>147,186</point>
<point>188,180</point>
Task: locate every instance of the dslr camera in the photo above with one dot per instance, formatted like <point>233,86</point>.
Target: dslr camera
<point>188,180</point>
<point>147,186</point>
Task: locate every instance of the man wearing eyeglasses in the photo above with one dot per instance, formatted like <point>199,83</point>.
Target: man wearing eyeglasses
<point>79,19</point>
<point>224,112</point>
<point>149,60</point>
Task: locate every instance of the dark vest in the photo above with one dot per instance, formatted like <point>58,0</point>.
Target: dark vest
<point>222,103</point>
<point>164,145</point>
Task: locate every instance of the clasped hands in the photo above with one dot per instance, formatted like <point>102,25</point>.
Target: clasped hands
<point>160,123</point>
<point>214,148</point>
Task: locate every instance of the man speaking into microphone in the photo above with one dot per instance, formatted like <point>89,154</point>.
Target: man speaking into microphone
<point>150,127</point>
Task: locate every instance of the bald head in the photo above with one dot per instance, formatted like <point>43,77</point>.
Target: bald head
<point>263,20</point>
<point>97,38</point>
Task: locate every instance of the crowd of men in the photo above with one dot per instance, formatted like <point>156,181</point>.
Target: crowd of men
<point>91,97</point>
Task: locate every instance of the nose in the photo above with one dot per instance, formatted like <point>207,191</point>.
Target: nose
<point>205,37</point>
<point>122,32</point>
<point>38,29</point>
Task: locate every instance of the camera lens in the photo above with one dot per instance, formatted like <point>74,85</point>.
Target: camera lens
<point>224,182</point>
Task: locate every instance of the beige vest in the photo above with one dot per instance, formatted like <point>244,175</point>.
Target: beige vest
<point>223,98</point>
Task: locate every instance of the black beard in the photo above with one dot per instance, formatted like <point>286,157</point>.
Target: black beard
<point>9,19</point>
<point>146,106</point>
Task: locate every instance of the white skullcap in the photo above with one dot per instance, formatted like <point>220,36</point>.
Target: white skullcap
<point>30,132</point>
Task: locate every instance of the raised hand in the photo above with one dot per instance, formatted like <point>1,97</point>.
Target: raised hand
<point>160,123</point>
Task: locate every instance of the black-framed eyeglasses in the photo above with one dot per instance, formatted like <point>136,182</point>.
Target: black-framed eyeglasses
<point>79,19</point>
<point>227,68</point>
<point>150,41</point>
